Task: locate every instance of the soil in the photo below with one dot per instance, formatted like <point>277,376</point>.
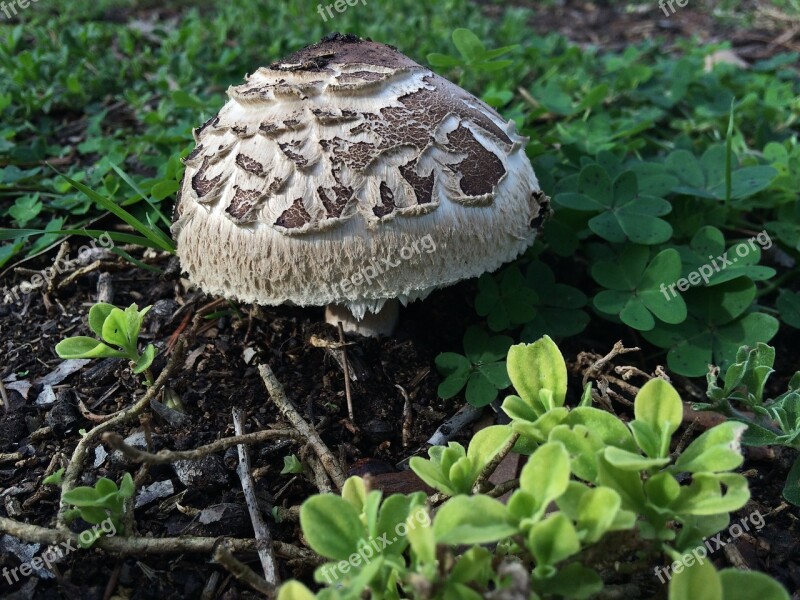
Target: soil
<point>219,372</point>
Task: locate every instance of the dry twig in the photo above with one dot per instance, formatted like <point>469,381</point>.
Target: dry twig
<point>115,441</point>
<point>263,536</point>
<point>241,571</point>
<point>278,395</point>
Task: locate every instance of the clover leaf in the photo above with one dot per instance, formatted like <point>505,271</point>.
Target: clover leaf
<point>506,303</point>
<point>636,289</point>
<point>482,370</point>
<point>717,324</point>
<point>558,307</point>
<point>624,213</point>
<point>705,178</point>
<point>706,255</point>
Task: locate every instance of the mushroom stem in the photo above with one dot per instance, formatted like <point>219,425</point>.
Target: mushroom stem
<point>382,322</point>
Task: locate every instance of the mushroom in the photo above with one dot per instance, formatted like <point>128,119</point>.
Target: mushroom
<point>348,176</point>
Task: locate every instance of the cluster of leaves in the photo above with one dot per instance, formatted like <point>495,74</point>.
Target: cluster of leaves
<point>118,331</point>
<point>602,475</point>
<point>660,170</point>
<point>105,502</point>
<point>770,421</point>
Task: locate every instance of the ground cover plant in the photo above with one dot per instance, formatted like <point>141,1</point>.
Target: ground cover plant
<point>604,417</point>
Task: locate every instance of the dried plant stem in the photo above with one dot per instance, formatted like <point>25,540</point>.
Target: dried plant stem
<point>134,545</point>
<point>242,572</point>
<point>482,484</point>
<point>346,369</point>
<point>278,395</point>
<point>263,536</point>
<point>115,441</point>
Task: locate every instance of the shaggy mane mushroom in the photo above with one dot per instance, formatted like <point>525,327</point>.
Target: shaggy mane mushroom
<point>348,176</point>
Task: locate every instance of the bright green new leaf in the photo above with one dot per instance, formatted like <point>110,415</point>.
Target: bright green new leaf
<point>535,367</point>
<point>699,580</point>
<point>747,585</point>
<point>331,526</point>
<point>553,539</point>
<point>660,406</point>
<point>85,347</point>
<point>718,449</point>
<point>472,520</point>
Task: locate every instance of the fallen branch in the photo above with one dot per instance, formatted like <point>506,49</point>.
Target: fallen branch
<point>263,536</point>
<point>278,395</point>
<point>115,441</point>
<point>241,571</point>
<point>130,546</point>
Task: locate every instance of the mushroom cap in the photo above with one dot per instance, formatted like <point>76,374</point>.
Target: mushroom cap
<point>349,174</point>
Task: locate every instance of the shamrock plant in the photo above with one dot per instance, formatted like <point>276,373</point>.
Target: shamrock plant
<point>118,331</point>
<point>482,370</point>
<point>770,421</point>
<point>623,212</point>
<point>634,284</point>
<point>103,506</point>
<point>588,474</point>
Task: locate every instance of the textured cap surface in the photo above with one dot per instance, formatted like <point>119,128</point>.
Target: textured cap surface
<point>349,174</point>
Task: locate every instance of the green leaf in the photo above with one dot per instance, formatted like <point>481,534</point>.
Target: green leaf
<point>354,491</point>
<point>472,520</point>
<point>705,496</point>
<point>127,486</point>
<point>544,478</point>
<point>485,446</point>
<point>597,511</point>
<point>638,290</point>
<point>331,526</point>
<point>700,580</point>
<point>115,332</point>
<point>468,44</point>
<point>98,314</point>
<point>746,585</point>
<point>631,461</point>
<point>145,360</point>
<point>294,590</point>
<point>791,490</point>
<point>718,449</point>
<point>456,371</point>
<point>536,367</point>
<point>552,540</point>
<point>55,478</point>
<point>292,464</point>
<point>658,405</point>
<point>85,347</point>
<point>788,303</point>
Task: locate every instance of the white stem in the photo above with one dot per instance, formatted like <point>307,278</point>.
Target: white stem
<point>372,325</point>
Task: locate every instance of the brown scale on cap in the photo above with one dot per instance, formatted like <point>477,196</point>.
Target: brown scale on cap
<point>344,151</point>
